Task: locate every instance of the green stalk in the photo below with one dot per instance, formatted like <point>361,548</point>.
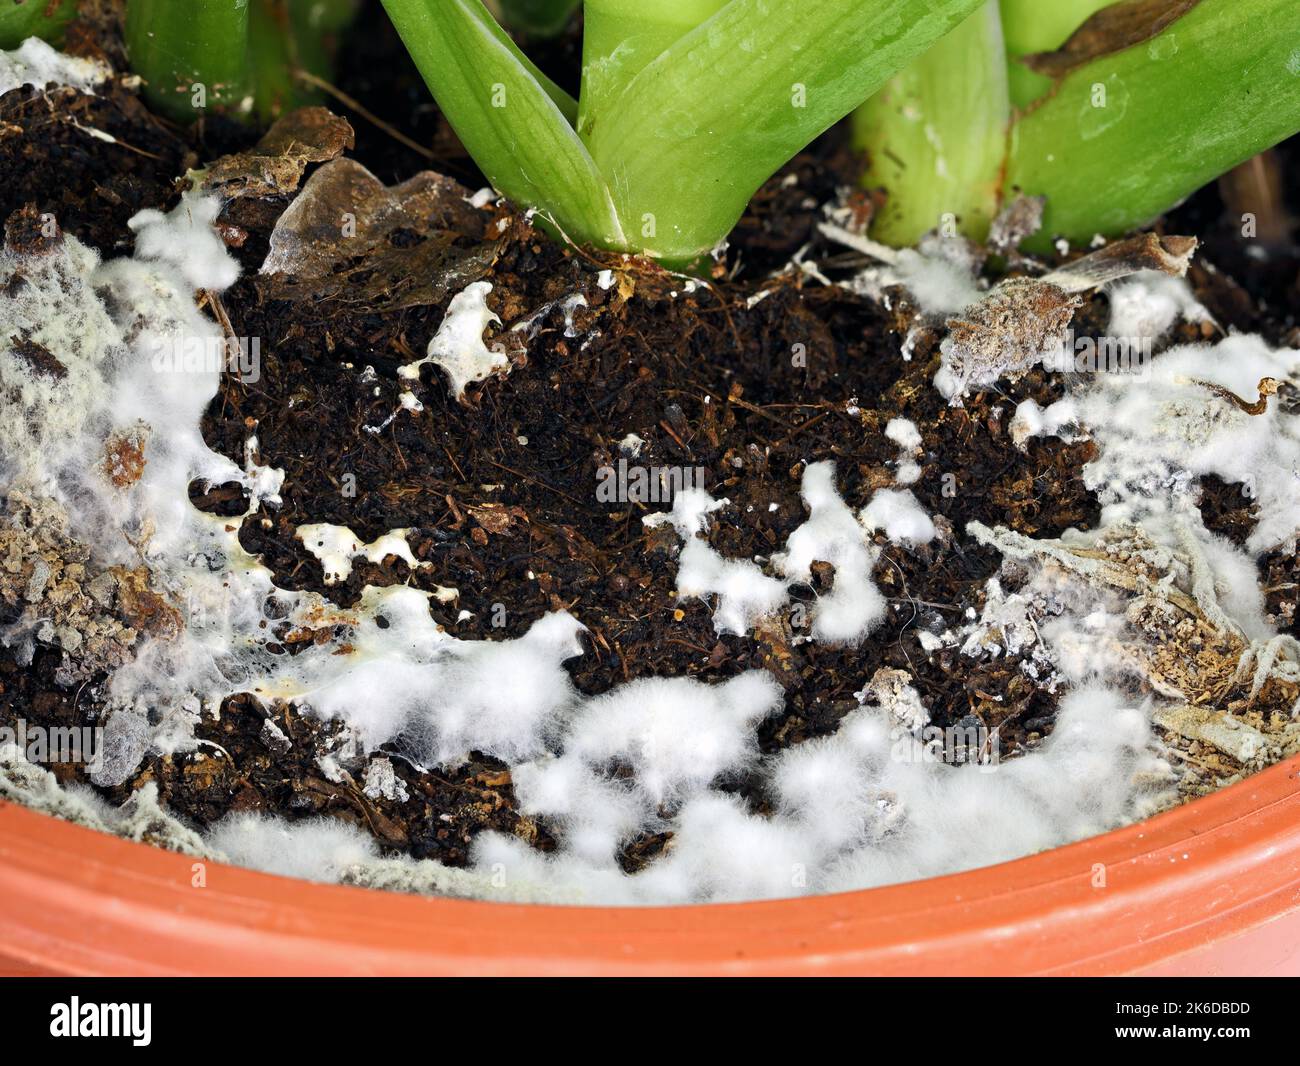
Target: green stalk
<point>683,143</point>
<point>1125,138</point>
<point>20,19</point>
<point>539,18</point>
<point>272,57</point>
<point>514,121</point>
<point>193,55</point>
<point>317,26</point>
<point>936,135</point>
<point>286,36</point>
<point>1039,26</point>
<point>705,124</point>
<point>622,37</point>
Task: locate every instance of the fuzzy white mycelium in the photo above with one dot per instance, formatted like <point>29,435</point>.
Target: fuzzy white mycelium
<point>908,438</point>
<point>123,331</point>
<point>745,594</point>
<point>458,348</point>
<point>832,534</point>
<point>337,546</point>
<point>873,803</point>
<point>36,63</point>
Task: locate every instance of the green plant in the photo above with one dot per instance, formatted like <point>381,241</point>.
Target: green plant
<point>1032,26</point>
<point>238,55</point>
<point>1128,136</point>
<point>1150,101</point>
<point>686,106</point>
<point>20,19</point>
<point>936,135</point>
<point>542,18</point>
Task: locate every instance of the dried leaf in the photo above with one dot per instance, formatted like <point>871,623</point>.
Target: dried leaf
<point>1017,221</point>
<point>1008,331</point>
<point>1112,29</point>
<point>496,518</point>
<point>1169,255</point>
<point>1022,319</point>
<point>276,165</point>
<point>351,239</point>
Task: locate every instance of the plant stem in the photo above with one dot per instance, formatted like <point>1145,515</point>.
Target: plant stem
<point>936,135</point>
<point>33,18</point>
<point>620,38</point>
<point>192,55</point>
<point>1125,138</point>
<point>514,121</point>
<point>272,57</point>
<point>705,124</point>
<point>1031,26</point>
<point>540,18</point>
<point>286,36</point>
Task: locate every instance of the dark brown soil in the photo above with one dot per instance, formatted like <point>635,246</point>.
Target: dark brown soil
<point>502,493</point>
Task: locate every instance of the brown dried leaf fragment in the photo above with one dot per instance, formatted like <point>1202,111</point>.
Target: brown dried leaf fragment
<point>1022,320</point>
<point>276,165</point>
<point>1110,30</point>
<point>1017,221</point>
<point>124,459</point>
<point>1007,332</point>
<point>1148,251</point>
<point>349,238</point>
<point>496,518</point>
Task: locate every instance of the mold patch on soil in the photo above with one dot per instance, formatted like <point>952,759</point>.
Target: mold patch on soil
<point>740,381</point>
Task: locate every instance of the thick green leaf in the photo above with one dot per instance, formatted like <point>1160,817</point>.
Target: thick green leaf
<point>543,18</point>
<point>620,38</point>
<point>505,116</point>
<point>177,48</point>
<point>483,18</point>
<point>936,135</point>
<point>288,36</point>
<point>20,19</point>
<point>1127,137</point>
<point>1038,26</point>
<point>704,125</point>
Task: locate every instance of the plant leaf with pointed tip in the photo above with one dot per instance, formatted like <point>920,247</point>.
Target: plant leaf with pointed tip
<point>704,125</point>
<point>507,115</point>
<point>1125,138</point>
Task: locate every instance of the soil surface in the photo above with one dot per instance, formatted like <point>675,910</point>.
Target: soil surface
<point>501,491</point>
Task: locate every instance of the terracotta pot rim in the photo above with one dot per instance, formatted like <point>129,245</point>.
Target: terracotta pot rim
<point>1210,884</point>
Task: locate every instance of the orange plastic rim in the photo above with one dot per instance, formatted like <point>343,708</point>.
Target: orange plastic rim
<point>1210,888</point>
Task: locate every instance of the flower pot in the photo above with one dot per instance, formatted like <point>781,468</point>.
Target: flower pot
<point>1210,888</point>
